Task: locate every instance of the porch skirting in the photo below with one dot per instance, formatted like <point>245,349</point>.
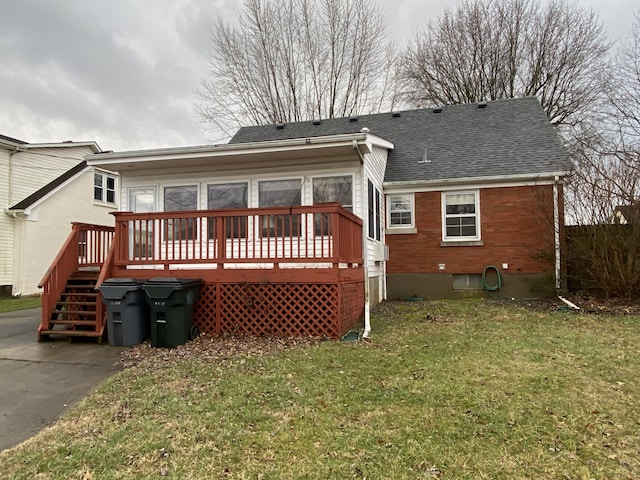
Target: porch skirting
<point>280,308</point>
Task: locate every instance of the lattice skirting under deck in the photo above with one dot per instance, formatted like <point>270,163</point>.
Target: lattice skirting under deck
<point>282,309</point>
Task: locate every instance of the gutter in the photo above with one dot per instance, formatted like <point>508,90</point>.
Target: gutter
<point>427,185</point>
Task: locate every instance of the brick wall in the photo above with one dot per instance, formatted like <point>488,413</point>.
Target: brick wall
<point>516,228</point>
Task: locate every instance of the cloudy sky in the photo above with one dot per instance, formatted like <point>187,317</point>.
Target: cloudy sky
<point>125,73</point>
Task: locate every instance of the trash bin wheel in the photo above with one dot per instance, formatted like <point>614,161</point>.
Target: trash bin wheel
<point>193,332</point>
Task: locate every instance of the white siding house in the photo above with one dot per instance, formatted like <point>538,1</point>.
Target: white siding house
<point>45,187</point>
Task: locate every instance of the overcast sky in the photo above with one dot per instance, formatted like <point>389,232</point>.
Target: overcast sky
<point>125,73</point>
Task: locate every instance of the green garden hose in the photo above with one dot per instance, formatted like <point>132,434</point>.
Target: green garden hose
<point>498,285</point>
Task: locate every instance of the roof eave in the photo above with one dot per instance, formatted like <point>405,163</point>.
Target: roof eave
<point>542,177</point>
<point>113,159</point>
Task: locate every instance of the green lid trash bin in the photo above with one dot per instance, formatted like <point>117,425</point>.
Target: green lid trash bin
<point>171,301</point>
<point>127,311</point>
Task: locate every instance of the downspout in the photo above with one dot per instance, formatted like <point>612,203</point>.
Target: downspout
<point>556,230</point>
<point>365,250</point>
<point>10,186</point>
<point>21,270</point>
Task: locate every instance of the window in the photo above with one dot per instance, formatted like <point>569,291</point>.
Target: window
<point>104,187</point>
<point>331,189</point>
<point>373,206</point>
<point>334,189</point>
<point>461,215</point>
<point>400,210</point>
<point>177,199</point>
<point>229,195</point>
<point>141,200</point>
<point>280,193</point>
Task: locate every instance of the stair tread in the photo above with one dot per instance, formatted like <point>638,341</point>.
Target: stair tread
<point>75,333</point>
<point>72,322</point>
<point>71,302</point>
<point>74,312</point>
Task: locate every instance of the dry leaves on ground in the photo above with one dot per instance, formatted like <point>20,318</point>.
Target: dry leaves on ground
<point>214,347</point>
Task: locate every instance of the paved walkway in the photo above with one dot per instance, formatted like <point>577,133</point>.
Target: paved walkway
<point>40,381</point>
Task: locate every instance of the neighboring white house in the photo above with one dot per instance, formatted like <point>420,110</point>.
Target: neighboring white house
<point>43,188</point>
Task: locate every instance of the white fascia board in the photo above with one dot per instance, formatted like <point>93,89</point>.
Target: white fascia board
<point>10,145</point>
<point>524,180</point>
<point>93,145</point>
<point>236,149</point>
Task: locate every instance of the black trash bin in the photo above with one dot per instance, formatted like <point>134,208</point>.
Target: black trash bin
<point>171,301</point>
<point>127,311</point>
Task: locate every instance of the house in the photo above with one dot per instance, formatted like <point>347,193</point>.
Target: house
<point>299,228</point>
<point>44,187</point>
<point>468,190</point>
<point>626,214</point>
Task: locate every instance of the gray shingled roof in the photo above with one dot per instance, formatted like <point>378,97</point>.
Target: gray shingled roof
<point>11,139</point>
<point>507,137</point>
<point>49,187</point>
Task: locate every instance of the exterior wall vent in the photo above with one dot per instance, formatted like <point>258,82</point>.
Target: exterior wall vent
<point>280,126</point>
<point>317,122</point>
<point>437,110</point>
<point>395,114</point>
<point>482,104</point>
<point>353,119</point>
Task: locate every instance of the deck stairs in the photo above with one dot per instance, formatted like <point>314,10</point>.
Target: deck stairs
<point>75,312</point>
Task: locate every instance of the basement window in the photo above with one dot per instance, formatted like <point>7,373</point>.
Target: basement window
<point>468,282</point>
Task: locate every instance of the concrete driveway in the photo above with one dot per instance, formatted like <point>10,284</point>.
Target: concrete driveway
<point>41,381</point>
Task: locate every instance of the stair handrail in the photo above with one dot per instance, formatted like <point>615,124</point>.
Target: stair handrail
<point>105,270</point>
<point>64,264</point>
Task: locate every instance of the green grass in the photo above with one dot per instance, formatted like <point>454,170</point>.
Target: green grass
<point>460,390</point>
<point>13,304</point>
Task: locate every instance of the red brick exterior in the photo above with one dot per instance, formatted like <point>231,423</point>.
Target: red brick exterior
<point>516,227</point>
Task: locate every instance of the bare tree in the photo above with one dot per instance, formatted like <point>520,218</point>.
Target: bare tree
<point>496,49</point>
<point>292,60</point>
<point>606,182</point>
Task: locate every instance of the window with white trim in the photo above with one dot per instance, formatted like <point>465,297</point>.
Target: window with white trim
<point>400,210</point>
<point>280,193</point>
<point>104,187</point>
<point>331,189</point>
<point>177,199</point>
<point>229,195</point>
<point>461,215</point>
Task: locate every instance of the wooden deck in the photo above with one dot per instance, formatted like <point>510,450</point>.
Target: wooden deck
<point>272,271</point>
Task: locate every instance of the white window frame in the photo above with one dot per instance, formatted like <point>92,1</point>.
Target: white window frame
<point>353,183</point>
<point>412,211</point>
<point>104,190</point>
<point>476,195</point>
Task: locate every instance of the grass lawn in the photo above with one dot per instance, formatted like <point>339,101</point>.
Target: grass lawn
<point>13,304</point>
<point>446,389</point>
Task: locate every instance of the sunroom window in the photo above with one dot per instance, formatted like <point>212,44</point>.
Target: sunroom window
<point>331,189</point>
<point>280,193</point>
<point>229,195</point>
<point>177,199</point>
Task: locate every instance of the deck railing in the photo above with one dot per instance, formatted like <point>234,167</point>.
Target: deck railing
<point>86,246</point>
<point>318,236</point>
